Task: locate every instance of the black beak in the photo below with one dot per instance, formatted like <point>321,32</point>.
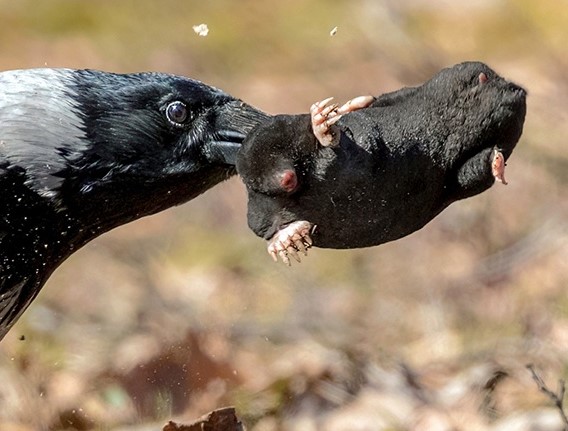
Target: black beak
<point>233,122</point>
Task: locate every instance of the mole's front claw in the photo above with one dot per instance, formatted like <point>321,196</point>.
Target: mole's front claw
<point>322,113</point>
<point>328,111</point>
<point>325,115</point>
<point>498,167</point>
<point>284,256</point>
<point>322,103</point>
<point>273,253</point>
<point>289,240</point>
<point>300,246</point>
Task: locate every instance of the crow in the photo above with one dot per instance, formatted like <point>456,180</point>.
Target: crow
<point>84,151</point>
<point>384,170</point>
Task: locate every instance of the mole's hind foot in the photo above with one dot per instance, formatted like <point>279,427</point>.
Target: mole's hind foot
<point>325,115</point>
<point>289,241</point>
<point>498,167</point>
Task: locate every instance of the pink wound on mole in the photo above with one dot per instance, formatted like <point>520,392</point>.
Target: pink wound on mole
<point>483,78</point>
<point>289,180</point>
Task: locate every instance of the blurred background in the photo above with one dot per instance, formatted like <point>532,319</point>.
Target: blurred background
<point>184,312</point>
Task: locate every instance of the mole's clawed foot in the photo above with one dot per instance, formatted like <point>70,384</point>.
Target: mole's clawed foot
<point>289,241</point>
<point>498,167</point>
<point>325,115</point>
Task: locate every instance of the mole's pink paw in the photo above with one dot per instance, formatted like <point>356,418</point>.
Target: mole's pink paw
<point>289,241</point>
<point>498,167</point>
<point>325,115</point>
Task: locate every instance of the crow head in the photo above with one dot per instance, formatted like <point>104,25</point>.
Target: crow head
<point>150,140</point>
<point>105,148</point>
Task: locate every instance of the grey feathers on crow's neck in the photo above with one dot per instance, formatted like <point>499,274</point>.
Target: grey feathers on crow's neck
<point>41,125</point>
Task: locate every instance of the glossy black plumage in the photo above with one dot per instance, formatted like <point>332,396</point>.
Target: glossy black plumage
<point>398,164</point>
<point>83,151</point>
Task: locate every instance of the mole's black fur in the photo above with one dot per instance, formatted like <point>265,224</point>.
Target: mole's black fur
<point>398,164</point>
<point>83,151</point>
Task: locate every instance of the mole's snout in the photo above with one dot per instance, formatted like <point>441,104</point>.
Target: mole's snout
<point>514,96</point>
<point>518,91</point>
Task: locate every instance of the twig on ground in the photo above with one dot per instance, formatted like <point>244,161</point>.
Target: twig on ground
<point>488,405</point>
<point>556,398</point>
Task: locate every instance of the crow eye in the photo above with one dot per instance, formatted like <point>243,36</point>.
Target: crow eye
<point>177,113</point>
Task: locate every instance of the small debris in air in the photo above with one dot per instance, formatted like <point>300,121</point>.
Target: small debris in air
<point>201,29</point>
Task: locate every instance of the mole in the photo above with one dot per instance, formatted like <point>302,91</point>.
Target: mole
<point>378,168</point>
